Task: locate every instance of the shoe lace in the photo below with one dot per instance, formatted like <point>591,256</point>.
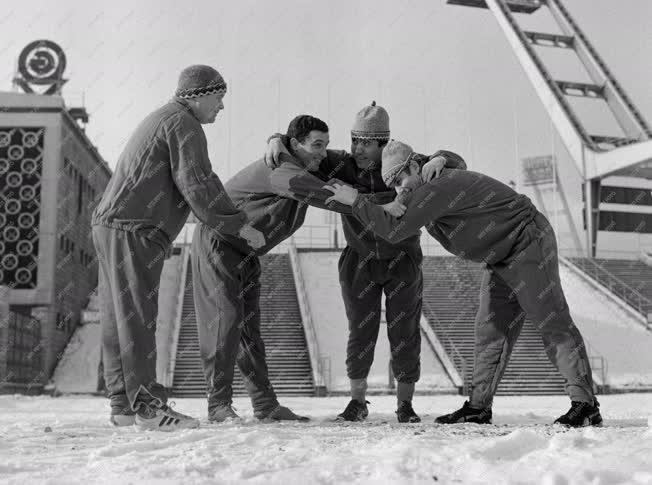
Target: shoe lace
<point>576,406</point>
<point>168,409</point>
<point>167,406</point>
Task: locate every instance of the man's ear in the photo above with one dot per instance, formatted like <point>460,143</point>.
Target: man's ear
<point>294,143</point>
<point>414,167</point>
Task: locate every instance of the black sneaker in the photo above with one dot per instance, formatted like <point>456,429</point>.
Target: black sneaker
<point>581,414</point>
<point>466,414</point>
<point>406,414</point>
<point>355,411</point>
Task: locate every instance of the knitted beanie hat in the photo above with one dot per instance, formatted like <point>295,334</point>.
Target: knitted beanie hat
<point>396,156</point>
<point>199,80</point>
<point>371,123</point>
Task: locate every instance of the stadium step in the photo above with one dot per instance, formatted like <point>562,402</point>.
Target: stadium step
<point>280,326</point>
<point>450,305</point>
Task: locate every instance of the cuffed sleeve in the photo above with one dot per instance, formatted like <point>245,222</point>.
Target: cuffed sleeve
<point>382,198</point>
<point>294,182</point>
<point>425,206</point>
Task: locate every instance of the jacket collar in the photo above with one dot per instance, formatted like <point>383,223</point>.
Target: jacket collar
<point>184,105</point>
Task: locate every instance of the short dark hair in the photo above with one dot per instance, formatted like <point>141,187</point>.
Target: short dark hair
<point>301,126</point>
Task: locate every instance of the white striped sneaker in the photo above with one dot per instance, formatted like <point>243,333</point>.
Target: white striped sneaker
<point>162,417</point>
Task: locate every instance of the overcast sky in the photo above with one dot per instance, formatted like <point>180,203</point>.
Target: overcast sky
<point>445,73</point>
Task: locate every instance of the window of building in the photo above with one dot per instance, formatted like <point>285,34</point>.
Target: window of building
<point>80,192</point>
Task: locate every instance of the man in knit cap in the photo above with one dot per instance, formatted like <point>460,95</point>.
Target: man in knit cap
<point>479,218</point>
<point>162,174</point>
<point>369,266</point>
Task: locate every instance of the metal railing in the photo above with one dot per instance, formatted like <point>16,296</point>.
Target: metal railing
<point>632,254</point>
<point>312,236</point>
<point>326,373</point>
<point>632,297</point>
<point>459,361</point>
<point>599,365</point>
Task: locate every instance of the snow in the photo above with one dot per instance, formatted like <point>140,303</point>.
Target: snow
<point>69,440</point>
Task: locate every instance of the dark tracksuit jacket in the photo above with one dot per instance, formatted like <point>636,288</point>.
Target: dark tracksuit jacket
<point>226,276</point>
<point>162,174</point>
<point>479,218</point>
<point>370,265</point>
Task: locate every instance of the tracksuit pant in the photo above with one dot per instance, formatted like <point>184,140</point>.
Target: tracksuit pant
<point>527,283</point>
<point>130,267</point>
<point>363,281</point>
<point>226,289</point>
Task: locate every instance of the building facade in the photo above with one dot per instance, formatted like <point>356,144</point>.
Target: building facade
<point>51,177</point>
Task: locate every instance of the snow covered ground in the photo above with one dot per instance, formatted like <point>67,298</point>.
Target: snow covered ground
<point>68,440</point>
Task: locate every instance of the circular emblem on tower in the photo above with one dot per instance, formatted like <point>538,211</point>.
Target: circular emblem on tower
<point>41,62</point>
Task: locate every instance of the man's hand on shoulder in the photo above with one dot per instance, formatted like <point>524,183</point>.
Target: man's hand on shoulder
<point>273,152</point>
<point>433,168</point>
<point>334,181</point>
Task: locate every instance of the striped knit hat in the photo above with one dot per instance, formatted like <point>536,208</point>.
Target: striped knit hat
<point>396,156</point>
<point>371,123</point>
<point>199,80</point>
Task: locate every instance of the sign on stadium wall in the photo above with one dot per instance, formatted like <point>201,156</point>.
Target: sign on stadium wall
<point>538,170</point>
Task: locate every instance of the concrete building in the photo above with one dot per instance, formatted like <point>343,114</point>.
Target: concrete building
<point>51,177</point>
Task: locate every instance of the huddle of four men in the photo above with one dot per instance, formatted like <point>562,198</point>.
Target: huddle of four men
<point>164,172</point>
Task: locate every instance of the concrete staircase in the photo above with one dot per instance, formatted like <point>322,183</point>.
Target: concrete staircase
<point>281,328</point>
<point>451,288</point>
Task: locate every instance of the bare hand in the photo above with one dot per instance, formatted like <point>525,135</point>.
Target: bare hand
<point>344,194</point>
<point>273,153</point>
<point>433,168</point>
<point>253,236</point>
<point>394,208</point>
<point>334,181</point>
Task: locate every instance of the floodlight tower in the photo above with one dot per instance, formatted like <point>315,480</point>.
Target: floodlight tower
<point>596,155</point>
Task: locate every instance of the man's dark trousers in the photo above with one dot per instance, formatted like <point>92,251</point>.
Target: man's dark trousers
<point>130,267</point>
<point>527,284</point>
<point>226,288</point>
<point>363,280</point>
